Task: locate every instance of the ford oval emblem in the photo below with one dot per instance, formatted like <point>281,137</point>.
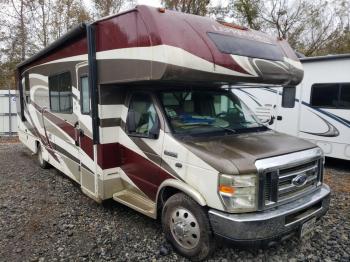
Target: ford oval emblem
<point>299,180</point>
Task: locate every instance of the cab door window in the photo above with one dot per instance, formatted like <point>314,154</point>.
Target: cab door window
<point>142,117</point>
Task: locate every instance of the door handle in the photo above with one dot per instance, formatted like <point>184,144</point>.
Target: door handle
<point>178,165</point>
<point>169,153</point>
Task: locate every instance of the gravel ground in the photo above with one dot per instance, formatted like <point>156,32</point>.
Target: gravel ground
<point>45,217</point>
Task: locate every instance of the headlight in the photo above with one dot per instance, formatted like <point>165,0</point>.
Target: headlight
<point>238,193</point>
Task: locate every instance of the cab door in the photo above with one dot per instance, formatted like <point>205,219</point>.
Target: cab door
<point>141,149</point>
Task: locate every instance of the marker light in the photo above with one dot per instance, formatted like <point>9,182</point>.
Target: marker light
<point>239,27</point>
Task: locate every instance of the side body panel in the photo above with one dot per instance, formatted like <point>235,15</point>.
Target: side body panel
<point>333,125</point>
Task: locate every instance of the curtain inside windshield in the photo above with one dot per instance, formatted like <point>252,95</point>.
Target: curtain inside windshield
<point>206,111</point>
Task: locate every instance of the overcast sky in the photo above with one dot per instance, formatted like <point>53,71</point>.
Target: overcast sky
<point>156,3</point>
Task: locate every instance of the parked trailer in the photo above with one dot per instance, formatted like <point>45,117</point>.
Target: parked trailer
<point>318,109</point>
<point>8,115</point>
<point>134,107</point>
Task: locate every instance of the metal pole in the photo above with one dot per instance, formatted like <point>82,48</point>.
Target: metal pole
<point>10,114</point>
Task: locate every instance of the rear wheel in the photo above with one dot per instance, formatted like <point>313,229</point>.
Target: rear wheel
<point>42,163</point>
<point>186,227</point>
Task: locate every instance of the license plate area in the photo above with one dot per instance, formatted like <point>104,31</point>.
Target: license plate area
<point>307,228</point>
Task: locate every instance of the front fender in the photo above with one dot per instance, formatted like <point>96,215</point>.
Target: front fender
<point>183,187</point>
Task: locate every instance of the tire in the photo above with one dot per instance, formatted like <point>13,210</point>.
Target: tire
<point>42,163</point>
<point>186,226</point>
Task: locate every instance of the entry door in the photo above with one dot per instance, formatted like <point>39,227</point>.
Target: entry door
<point>141,150</point>
<point>83,131</point>
<point>287,110</point>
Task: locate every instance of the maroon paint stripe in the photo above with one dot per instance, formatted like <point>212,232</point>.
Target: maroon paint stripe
<point>74,48</point>
<point>109,155</point>
<point>144,173</point>
<point>86,142</point>
<point>87,146</point>
<point>41,137</point>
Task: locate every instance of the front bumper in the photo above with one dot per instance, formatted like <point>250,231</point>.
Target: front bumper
<point>273,224</point>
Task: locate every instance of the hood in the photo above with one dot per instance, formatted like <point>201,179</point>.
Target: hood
<point>233,154</point>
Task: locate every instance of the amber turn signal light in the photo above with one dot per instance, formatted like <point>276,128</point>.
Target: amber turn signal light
<point>226,189</point>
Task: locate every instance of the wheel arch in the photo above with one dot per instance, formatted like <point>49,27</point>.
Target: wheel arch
<point>172,186</point>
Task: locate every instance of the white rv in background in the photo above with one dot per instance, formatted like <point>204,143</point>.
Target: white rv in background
<point>318,109</point>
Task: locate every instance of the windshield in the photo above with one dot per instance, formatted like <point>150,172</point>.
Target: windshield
<point>207,111</point>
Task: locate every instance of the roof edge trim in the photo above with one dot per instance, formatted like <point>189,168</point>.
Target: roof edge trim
<point>76,31</point>
<point>324,58</point>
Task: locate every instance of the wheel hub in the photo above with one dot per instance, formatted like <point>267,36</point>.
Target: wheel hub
<point>180,229</point>
<point>184,228</point>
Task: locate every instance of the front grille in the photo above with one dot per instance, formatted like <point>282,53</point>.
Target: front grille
<point>278,185</point>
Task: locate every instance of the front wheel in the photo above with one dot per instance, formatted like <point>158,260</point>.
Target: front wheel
<point>42,163</point>
<point>186,227</point>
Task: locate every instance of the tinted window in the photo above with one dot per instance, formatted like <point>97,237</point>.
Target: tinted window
<point>85,95</point>
<point>142,115</point>
<point>288,96</point>
<point>344,101</point>
<point>60,89</point>
<point>244,47</point>
<point>334,95</point>
<point>325,95</point>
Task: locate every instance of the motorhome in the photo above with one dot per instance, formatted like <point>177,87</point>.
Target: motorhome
<point>318,109</point>
<point>135,107</point>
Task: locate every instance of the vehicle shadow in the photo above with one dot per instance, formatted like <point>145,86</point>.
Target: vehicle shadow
<point>339,164</point>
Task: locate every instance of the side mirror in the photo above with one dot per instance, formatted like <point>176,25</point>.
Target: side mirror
<point>154,132</point>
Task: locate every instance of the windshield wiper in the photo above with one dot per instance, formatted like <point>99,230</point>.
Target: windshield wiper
<point>225,128</point>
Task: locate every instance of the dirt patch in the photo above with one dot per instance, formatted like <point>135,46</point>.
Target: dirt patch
<point>8,139</point>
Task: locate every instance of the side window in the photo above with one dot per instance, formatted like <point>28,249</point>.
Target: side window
<point>344,100</point>
<point>84,95</point>
<point>60,91</point>
<point>288,96</point>
<point>142,117</point>
<point>325,95</point>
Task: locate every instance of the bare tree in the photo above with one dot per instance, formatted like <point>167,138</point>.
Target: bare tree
<point>41,13</point>
<point>247,12</point>
<point>66,14</point>
<point>109,7</point>
<point>321,28</point>
<point>284,16</point>
<point>197,7</point>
